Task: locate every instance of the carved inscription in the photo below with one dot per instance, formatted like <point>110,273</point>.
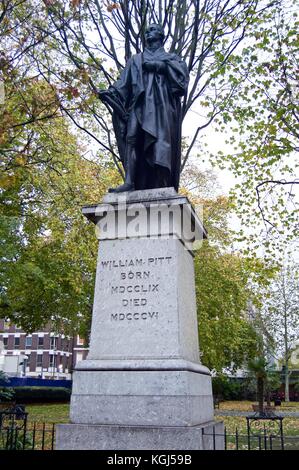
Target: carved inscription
<point>134,288</point>
<point>135,281</point>
<point>134,316</point>
<point>127,263</point>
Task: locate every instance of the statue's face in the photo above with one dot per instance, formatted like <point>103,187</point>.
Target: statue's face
<point>153,33</point>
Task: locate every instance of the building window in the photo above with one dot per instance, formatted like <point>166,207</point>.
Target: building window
<point>53,342</point>
<point>17,342</point>
<point>39,360</point>
<point>28,343</point>
<point>40,341</point>
<point>5,342</point>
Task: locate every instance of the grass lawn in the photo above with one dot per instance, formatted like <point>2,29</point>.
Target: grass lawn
<point>49,413</point>
<point>247,406</point>
<point>59,413</point>
<point>290,425</point>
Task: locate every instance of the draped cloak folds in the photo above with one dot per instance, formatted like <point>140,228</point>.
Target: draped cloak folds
<point>151,100</point>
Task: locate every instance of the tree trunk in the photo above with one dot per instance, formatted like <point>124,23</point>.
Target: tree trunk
<point>286,348</point>
<point>286,383</point>
<point>260,393</point>
<point>268,397</point>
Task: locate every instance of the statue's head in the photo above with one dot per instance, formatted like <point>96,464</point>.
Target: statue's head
<point>154,32</point>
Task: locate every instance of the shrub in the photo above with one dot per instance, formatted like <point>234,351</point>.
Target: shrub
<point>41,394</point>
<point>6,394</point>
<point>230,388</point>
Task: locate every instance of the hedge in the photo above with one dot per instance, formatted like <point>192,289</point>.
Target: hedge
<point>228,388</point>
<point>40,394</point>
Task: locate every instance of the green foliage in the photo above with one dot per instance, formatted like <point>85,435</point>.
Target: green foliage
<point>245,388</point>
<point>41,394</point>
<point>226,388</point>
<point>13,439</point>
<point>258,367</point>
<point>265,378</point>
<point>280,316</point>
<point>273,381</point>
<point>6,394</point>
<point>52,65</point>
<point>48,253</point>
<point>263,128</point>
<point>223,291</point>
<point>227,284</point>
<point>80,47</point>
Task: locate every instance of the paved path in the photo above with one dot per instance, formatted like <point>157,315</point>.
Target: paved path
<point>289,414</point>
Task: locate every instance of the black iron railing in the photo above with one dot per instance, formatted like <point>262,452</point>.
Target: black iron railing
<point>263,439</point>
<point>17,433</point>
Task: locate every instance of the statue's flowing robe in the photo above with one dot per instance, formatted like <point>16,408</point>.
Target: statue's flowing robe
<point>155,100</point>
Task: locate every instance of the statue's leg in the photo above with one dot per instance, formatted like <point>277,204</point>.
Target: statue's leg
<point>131,160</point>
<point>162,177</point>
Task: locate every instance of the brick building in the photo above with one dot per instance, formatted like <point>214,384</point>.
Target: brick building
<point>42,353</point>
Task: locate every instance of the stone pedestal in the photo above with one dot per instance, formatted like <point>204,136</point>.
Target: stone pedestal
<point>142,385</point>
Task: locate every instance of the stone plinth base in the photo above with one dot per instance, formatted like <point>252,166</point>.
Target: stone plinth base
<point>141,398</point>
<point>105,437</point>
<point>142,385</point>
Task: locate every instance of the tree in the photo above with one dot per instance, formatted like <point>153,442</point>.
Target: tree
<point>227,283</point>
<point>80,46</point>
<point>67,51</point>
<point>265,127</point>
<point>48,252</point>
<point>226,336</point>
<point>280,316</point>
<point>242,60</point>
<point>46,268</point>
<point>258,367</point>
<point>266,377</point>
<point>52,277</point>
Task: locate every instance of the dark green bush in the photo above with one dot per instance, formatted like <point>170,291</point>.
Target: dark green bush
<point>6,394</point>
<point>41,394</point>
<point>230,388</point>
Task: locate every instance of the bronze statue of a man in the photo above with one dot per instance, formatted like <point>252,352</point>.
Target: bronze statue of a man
<point>146,103</point>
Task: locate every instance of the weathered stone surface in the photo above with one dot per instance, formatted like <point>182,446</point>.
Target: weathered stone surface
<point>147,309</point>
<point>132,383</point>
<point>151,213</point>
<point>160,398</point>
<point>149,195</point>
<point>142,364</point>
<point>94,437</point>
<point>142,385</point>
